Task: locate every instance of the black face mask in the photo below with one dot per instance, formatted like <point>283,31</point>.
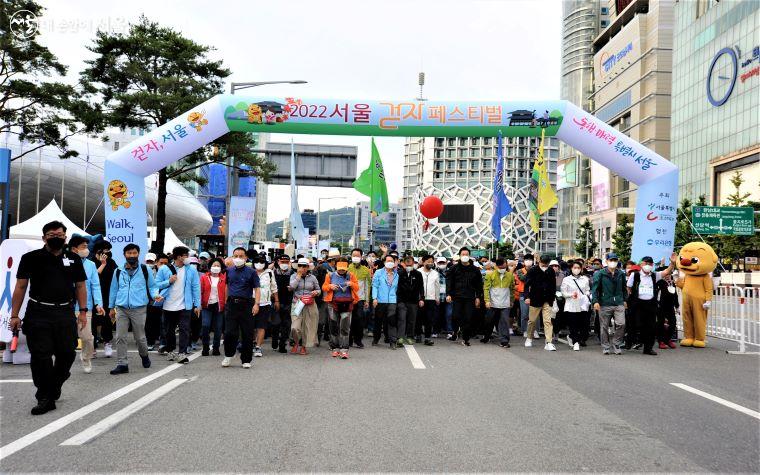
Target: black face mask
<point>429,266</point>
<point>55,243</point>
<point>131,261</point>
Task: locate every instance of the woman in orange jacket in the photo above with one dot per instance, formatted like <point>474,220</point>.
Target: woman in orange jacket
<point>340,294</point>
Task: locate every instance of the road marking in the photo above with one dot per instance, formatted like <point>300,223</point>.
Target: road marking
<point>15,381</point>
<point>722,401</point>
<point>58,424</point>
<point>414,357</point>
<point>111,421</point>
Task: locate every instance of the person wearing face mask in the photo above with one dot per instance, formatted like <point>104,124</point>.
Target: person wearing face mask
<point>431,291</point>
<point>243,296</point>
<point>577,291</point>
<point>521,277</point>
<point>558,320</point>
<point>180,284</point>
<point>667,307</point>
<point>281,326</point>
<point>153,312</point>
<point>213,298</point>
<point>540,292</point>
<point>327,267</point>
<point>78,245</point>
<point>385,301</point>
<point>305,288</point>
<point>55,279</point>
<point>498,289</point>
<point>132,289</point>
<point>514,311</point>
<point>158,307</point>
<point>442,323</point>
<point>340,291</point>
<point>464,289</point>
<point>364,278</point>
<point>642,299</point>
<point>102,328</point>
<point>608,294</point>
<point>410,299</point>
<point>268,304</point>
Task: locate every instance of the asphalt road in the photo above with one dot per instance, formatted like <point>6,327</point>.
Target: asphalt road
<point>473,409</point>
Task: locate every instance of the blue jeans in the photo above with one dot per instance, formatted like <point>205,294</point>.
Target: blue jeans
<point>524,315</point>
<point>211,320</point>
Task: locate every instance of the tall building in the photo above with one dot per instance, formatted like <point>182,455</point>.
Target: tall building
<point>581,23</point>
<point>385,226</point>
<point>716,98</point>
<point>632,85</point>
<point>309,218</point>
<point>460,171</point>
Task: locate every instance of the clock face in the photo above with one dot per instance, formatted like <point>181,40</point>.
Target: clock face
<point>721,76</point>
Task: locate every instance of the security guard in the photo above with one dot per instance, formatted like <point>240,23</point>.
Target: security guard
<point>57,278</point>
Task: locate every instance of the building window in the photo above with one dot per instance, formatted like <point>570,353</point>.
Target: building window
<point>487,152</point>
<point>475,164</point>
<point>450,164</point>
<point>486,164</point>
<point>439,142</point>
<point>438,154</point>
<point>624,202</point>
<point>461,174</point>
<point>462,164</point>
<point>438,175</point>
<point>116,145</point>
<point>462,141</point>
<point>474,141</point>
<point>450,153</point>
<point>474,152</point>
<point>463,152</point>
<point>605,10</point>
<point>451,142</point>
<point>486,175</point>
<point>487,141</point>
<point>439,165</point>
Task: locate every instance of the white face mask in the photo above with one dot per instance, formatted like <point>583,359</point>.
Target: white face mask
<point>84,253</point>
<point>258,266</point>
<point>501,271</point>
<point>528,263</point>
<point>576,271</point>
<point>370,259</point>
<point>216,269</point>
<point>414,266</point>
<point>284,267</point>
<point>464,258</point>
<point>389,265</point>
<point>441,266</point>
<point>646,268</point>
<point>311,266</point>
<point>238,261</point>
<point>543,268</point>
<point>356,260</point>
<point>612,265</point>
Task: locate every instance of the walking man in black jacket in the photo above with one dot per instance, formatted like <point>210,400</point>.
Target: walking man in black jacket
<point>464,287</point>
<point>540,288</point>
<point>410,299</point>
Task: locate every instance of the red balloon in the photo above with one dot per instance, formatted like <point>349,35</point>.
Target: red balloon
<point>431,207</point>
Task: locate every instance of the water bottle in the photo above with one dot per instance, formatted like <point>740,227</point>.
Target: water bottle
<point>14,341</point>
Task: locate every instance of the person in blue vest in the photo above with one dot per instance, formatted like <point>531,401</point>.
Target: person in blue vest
<point>384,290</point>
<point>79,246</point>
<point>132,288</point>
<point>181,289</point>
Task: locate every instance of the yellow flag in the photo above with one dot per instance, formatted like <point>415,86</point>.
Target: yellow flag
<point>542,198</point>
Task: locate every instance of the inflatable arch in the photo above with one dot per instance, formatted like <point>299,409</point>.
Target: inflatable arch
<point>656,177</point>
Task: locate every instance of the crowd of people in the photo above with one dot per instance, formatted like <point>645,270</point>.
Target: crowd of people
<point>185,301</point>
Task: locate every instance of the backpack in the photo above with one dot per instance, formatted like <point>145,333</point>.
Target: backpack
<point>145,275</point>
<point>343,297</point>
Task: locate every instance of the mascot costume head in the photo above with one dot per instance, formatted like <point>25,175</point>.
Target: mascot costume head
<point>695,262</point>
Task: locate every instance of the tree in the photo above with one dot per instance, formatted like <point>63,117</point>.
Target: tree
<point>737,198</point>
<point>730,245</point>
<point>150,75</point>
<point>585,244</point>
<point>33,106</point>
<point>502,249</point>
<point>622,238</point>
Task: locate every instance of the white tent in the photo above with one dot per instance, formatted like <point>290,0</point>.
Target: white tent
<point>32,227</point>
<point>170,239</point>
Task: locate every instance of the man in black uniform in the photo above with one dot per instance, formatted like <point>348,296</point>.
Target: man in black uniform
<point>281,319</point>
<point>57,278</point>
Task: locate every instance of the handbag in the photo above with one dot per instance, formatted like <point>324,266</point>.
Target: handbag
<point>585,302</point>
<point>307,299</point>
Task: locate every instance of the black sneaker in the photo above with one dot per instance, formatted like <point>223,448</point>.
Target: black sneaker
<point>637,346</point>
<point>650,352</point>
<point>215,352</point>
<point>162,350</point>
<point>429,342</point>
<point>282,349</point>
<point>582,343</point>
<point>43,406</point>
<point>182,358</point>
<point>359,345</point>
<point>504,345</point>
<point>484,340</point>
<point>466,342</point>
<point>205,351</point>
<point>120,369</point>
<point>418,339</point>
<point>145,361</point>
<point>452,337</point>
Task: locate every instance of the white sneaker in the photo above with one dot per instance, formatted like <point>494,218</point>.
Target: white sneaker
<point>569,340</point>
<point>247,365</point>
<point>576,346</point>
<point>528,343</point>
<point>535,334</point>
<point>87,366</point>
<point>257,352</point>
<point>511,332</point>
<point>226,361</point>
<point>108,350</point>
<point>550,347</point>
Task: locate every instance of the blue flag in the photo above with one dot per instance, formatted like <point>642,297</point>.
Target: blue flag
<point>501,206</point>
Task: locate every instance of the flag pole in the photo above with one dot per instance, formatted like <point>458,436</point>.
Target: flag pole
<point>371,195</point>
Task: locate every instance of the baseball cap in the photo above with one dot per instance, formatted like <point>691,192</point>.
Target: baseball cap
<point>204,255</point>
<point>647,259</point>
<point>284,257</point>
<point>440,259</point>
<point>303,261</point>
<point>150,257</point>
<point>554,262</point>
<point>612,255</point>
<point>192,260</point>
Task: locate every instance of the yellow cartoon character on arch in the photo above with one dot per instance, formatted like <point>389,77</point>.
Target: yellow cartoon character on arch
<point>254,114</point>
<point>118,194</point>
<point>197,121</point>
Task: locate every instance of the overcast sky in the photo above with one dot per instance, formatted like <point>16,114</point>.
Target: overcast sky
<point>486,49</point>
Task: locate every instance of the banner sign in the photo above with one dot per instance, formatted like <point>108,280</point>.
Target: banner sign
<point>240,222</point>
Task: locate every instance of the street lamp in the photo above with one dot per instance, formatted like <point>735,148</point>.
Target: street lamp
<point>245,85</point>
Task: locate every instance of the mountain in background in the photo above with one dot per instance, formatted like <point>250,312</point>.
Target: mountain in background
<point>341,225</point>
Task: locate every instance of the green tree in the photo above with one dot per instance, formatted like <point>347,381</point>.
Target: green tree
<point>33,106</point>
<point>730,246</point>
<point>585,243</point>
<point>503,249</point>
<point>622,238</point>
<point>149,76</point>
<point>684,232</point>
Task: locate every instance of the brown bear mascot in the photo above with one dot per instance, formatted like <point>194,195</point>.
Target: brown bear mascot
<point>695,262</point>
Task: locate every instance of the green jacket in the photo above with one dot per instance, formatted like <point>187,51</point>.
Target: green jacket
<point>499,288</point>
<point>364,277</point>
<point>608,290</point>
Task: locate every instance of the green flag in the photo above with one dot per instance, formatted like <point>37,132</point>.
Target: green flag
<point>372,183</point>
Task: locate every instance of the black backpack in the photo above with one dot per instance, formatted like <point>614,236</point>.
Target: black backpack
<point>145,275</point>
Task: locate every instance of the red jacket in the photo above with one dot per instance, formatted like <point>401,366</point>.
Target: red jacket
<point>206,289</point>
